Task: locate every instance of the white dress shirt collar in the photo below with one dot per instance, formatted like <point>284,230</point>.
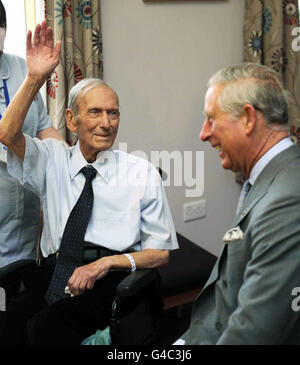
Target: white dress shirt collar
<point>268,156</point>
<point>102,163</point>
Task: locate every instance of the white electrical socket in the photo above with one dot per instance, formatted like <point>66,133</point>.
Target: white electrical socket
<point>194,210</point>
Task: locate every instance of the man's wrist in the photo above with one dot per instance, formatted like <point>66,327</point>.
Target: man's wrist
<point>131,260</point>
<point>35,81</point>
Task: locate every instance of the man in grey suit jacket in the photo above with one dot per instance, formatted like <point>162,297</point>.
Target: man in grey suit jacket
<point>248,297</point>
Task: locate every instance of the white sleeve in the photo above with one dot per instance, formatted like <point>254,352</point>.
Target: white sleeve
<point>32,171</point>
<point>157,227</point>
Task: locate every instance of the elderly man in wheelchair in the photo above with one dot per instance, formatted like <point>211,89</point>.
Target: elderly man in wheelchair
<point>106,220</point>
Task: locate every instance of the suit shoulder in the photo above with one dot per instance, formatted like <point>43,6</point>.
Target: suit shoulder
<point>288,176</point>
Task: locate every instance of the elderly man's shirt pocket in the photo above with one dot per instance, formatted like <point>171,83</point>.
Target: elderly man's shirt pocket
<point>111,222</point>
<point>11,199</point>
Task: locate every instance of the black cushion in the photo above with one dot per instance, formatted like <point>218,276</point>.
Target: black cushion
<point>188,269</point>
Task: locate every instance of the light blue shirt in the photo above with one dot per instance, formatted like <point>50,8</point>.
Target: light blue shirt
<point>19,208</point>
<point>268,156</point>
<point>130,204</point>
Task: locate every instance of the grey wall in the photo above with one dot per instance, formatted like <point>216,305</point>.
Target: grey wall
<point>159,57</point>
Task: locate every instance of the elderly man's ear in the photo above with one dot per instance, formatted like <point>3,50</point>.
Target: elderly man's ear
<point>71,121</point>
<point>250,118</point>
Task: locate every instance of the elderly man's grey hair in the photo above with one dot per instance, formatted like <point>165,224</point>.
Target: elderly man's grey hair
<point>257,85</point>
<point>82,88</point>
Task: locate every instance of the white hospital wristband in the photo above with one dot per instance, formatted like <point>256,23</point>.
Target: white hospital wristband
<point>132,262</point>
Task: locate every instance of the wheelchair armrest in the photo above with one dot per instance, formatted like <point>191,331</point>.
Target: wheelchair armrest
<point>136,281</point>
<point>136,308</point>
<point>15,270</point>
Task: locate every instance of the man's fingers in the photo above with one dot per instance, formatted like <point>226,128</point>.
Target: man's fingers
<point>77,283</point>
<point>28,40</point>
<point>43,33</point>
<point>79,288</point>
<point>36,35</point>
<point>81,280</point>
<point>49,37</point>
<point>56,51</point>
<point>90,284</point>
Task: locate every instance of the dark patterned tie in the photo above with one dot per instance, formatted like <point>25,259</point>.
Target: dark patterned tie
<point>71,247</point>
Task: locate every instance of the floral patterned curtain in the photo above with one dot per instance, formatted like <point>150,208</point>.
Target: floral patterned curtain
<point>268,40</point>
<point>77,24</point>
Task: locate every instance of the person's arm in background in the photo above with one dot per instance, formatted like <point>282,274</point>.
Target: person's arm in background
<point>42,58</point>
<point>50,133</point>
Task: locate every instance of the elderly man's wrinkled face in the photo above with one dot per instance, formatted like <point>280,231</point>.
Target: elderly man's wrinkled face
<point>97,121</point>
<point>223,134</point>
